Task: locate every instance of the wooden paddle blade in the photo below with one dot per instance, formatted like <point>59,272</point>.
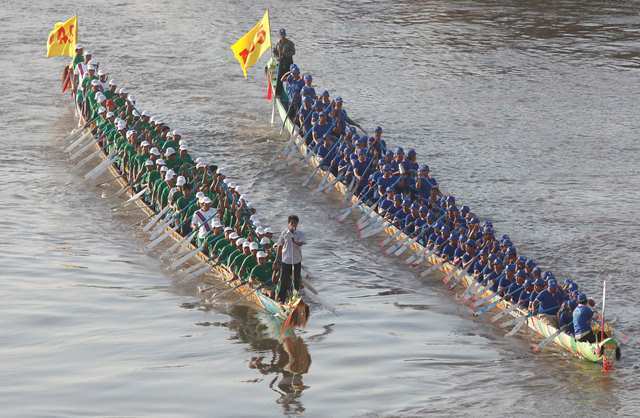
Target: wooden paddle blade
<point>515,329</point>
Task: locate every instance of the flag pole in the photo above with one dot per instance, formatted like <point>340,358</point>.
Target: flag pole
<point>270,75</point>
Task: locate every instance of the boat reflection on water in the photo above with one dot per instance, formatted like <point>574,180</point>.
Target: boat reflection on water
<point>282,354</point>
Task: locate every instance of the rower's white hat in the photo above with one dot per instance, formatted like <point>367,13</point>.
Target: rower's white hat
<point>145,113</point>
<point>253,217</point>
<point>95,82</point>
<point>121,125</point>
<point>110,114</point>
<point>246,244</point>
<point>233,236</point>
<point>163,168</point>
<point>169,151</point>
<point>101,73</point>
<point>199,195</point>
<point>182,142</point>
<point>131,99</point>
<point>112,82</point>
<point>240,241</point>
<point>201,165</point>
<point>173,173</point>
<point>101,109</point>
<point>129,133</point>
<point>91,67</point>
<point>145,144</point>
<point>78,46</point>
<point>148,162</point>
<point>181,181</point>
<point>85,53</point>
<point>122,90</point>
<point>259,230</point>
<point>199,160</point>
<point>219,170</point>
<point>261,254</point>
<point>216,223</point>
<point>232,185</point>
<point>155,151</point>
<point>135,113</point>
<point>268,230</point>
<point>227,229</point>
<point>95,63</point>
<point>183,147</point>
<point>265,241</point>
<point>176,132</point>
<point>160,161</point>
<point>253,246</point>
<point>152,119</point>
<point>206,200</point>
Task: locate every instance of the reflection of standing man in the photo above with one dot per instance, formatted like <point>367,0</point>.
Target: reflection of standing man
<point>283,52</point>
<point>290,253</point>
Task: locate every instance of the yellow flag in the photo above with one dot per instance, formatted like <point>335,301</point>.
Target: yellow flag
<point>253,44</point>
<point>62,39</point>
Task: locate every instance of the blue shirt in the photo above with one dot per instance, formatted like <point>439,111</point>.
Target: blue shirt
<point>513,292</point>
<point>582,316</point>
<point>548,303</point>
<point>524,298</point>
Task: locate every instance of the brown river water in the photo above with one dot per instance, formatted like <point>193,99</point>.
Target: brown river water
<point>525,110</point>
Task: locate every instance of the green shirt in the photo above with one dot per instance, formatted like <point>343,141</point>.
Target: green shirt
<point>262,273</point>
<point>247,267</point>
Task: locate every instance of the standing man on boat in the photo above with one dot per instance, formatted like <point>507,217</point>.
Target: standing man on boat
<point>290,255</point>
<point>283,52</point>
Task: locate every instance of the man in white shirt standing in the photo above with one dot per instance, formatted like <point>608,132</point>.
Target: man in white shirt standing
<point>290,255</point>
<point>203,219</point>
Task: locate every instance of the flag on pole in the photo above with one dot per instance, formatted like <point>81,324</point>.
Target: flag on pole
<point>62,39</point>
<point>250,47</point>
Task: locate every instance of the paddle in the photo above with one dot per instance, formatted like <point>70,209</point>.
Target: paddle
<point>493,304</point>
<point>461,273</point>
<point>82,150</point>
<point>131,199</point>
<point>186,257</point>
<point>504,312</point>
<point>85,160</point>
<point>78,141</point>
<point>156,241</point>
<point>227,291</point>
<point>286,118</point>
<point>348,211</point>
<point>550,338</point>
<point>197,273</point>
<point>155,219</point>
<point>433,268</point>
<point>109,181</point>
<point>177,244</point>
<point>100,168</point>
<point>523,320</point>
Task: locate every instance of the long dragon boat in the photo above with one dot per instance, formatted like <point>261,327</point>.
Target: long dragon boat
<point>292,314</point>
<point>605,352</point>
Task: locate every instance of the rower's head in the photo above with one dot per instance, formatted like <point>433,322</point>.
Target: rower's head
<point>497,265</point>
<point>520,262</point>
<point>424,171</point>
<point>295,70</point>
<point>308,79</point>
<point>102,75</point>
<point>283,33</point>
<point>177,135</point>
<point>92,71</point>
<point>261,256</point>
<point>145,146</point>
<point>228,232</point>
<point>511,271</point>
<point>87,56</point>
<point>266,243</point>
<point>338,102</point>
<point>216,227</point>
<point>378,133</point>
<point>529,265</point>
<point>322,117</point>
<point>528,285</point>
<point>538,285</point>
<point>444,231</point>
<point>470,247</point>
<point>362,155</point>
<point>552,285</point>
<point>453,239</point>
<point>181,181</point>
<point>411,155</point>
<point>399,154</point>
<point>415,209</point>
<point>170,178</point>
<point>246,247</point>
<point>582,298</point>
<point>268,233</point>
<point>239,243</point>
<point>536,272</point>
<point>149,165</point>
<point>205,203</point>
<point>325,96</point>
<point>79,49</point>
<point>292,222</point>
<point>132,136</point>
<point>307,102</point>
<point>170,154</point>
<point>254,248</point>
<point>521,276</point>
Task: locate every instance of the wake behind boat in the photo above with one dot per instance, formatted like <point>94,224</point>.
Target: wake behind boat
<point>396,196</point>
<point>191,202</point>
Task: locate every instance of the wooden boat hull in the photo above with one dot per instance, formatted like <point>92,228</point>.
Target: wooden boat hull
<point>583,350</point>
